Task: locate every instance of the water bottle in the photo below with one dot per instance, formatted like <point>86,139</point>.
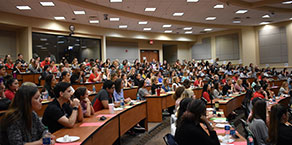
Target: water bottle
<point>274,99</point>
<point>227,131</point>
<point>250,139</point>
<point>46,137</point>
<point>93,89</point>
<point>45,95</point>
<point>138,98</point>
<point>122,103</point>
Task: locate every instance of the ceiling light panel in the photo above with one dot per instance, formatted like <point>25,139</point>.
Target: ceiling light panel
<point>192,1</point>
<point>59,18</point>
<point>147,29</point>
<point>168,31</point>
<point>166,26</point>
<point>264,23</point>
<point>210,18</point>
<point>178,14</point>
<point>208,29</point>
<point>219,6</point>
<point>23,7</point>
<point>188,28</point>
<point>114,19</point>
<point>236,21</point>
<point>123,26</point>
<point>266,16</point>
<point>287,2</point>
<point>241,11</point>
<point>188,32</point>
<point>94,21</point>
<point>150,9</point>
<point>143,22</point>
<point>47,4</point>
<point>116,1</point>
<point>79,12</point>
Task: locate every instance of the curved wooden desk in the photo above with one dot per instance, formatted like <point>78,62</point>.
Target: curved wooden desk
<point>230,104</point>
<point>108,131</point>
<point>155,104</point>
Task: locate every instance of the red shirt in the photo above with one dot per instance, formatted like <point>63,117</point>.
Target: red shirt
<point>91,77</point>
<point>44,63</point>
<point>257,94</point>
<point>9,66</point>
<point>206,96</point>
<point>196,83</point>
<point>9,94</point>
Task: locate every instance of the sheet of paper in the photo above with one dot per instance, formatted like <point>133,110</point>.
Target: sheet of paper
<point>92,124</point>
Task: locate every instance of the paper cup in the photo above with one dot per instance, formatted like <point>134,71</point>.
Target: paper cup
<point>111,108</point>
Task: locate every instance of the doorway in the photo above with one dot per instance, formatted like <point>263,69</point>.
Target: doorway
<point>149,55</point>
<point>169,53</point>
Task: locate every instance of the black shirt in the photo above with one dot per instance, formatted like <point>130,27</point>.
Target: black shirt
<point>53,113</point>
<point>153,87</point>
<point>102,95</point>
<point>189,134</point>
<point>74,78</point>
<point>225,89</point>
<point>284,135</point>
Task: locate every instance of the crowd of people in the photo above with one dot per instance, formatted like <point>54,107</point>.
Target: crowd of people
<point>70,106</point>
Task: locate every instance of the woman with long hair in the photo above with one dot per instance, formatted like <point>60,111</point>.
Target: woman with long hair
<point>279,131</point>
<point>119,91</point>
<point>65,77</point>
<point>12,86</point>
<point>206,94</point>
<point>50,83</point>
<point>258,124</point>
<point>82,94</point>
<point>20,124</point>
<point>189,129</point>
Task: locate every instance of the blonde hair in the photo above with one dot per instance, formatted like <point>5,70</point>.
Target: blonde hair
<point>185,94</point>
<point>164,81</point>
<point>153,79</point>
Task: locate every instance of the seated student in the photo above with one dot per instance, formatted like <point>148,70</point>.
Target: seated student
<point>2,88</point>
<point>228,87</point>
<point>59,112</point>
<point>50,83</point>
<point>165,85</point>
<point>189,129</point>
<point>198,82</point>
<point>21,125</point>
<point>45,72</point>
<point>65,77</point>
<point>216,92</point>
<point>155,85</point>
<point>142,90</point>
<point>175,83</point>
<point>119,91</point>
<point>279,131</point>
<point>16,68</point>
<point>104,96</point>
<point>77,76</point>
<point>259,92</point>
<point>177,96</point>
<point>94,76</point>
<point>238,86</point>
<point>137,78</point>
<point>258,124</point>
<point>2,71</point>
<point>12,86</point>
<point>206,94</point>
<point>82,94</point>
<point>188,89</point>
<point>126,82</point>
<point>284,90</point>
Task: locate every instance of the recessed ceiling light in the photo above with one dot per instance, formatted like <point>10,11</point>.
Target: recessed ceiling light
<point>44,39</point>
<point>287,2</point>
<point>47,4</point>
<point>94,21</point>
<point>264,23</point>
<point>178,14</point>
<point>114,19</point>
<point>188,28</point>
<point>166,26</point>
<point>210,18</point>
<point>142,22</point>
<point>208,29</point>
<point>79,12</point>
<point>219,6</point>
<point>192,1</point>
<point>147,29</point>
<point>266,16</point>
<point>236,21</point>
<point>188,32</point>
<point>168,31</point>
<point>23,7</point>
<point>59,18</point>
<point>116,1</point>
<point>290,18</point>
<point>150,9</point>
<point>241,11</point>
<point>123,26</point>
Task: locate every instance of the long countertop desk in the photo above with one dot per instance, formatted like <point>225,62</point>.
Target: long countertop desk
<point>92,131</point>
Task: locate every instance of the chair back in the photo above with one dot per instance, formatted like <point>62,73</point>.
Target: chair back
<point>169,139</point>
